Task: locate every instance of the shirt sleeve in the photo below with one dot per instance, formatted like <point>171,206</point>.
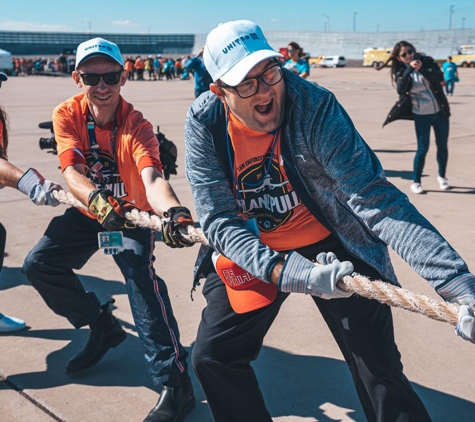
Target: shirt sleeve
<point>145,148</point>
<point>70,146</point>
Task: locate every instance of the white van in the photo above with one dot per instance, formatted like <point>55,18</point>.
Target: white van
<point>332,61</point>
<point>6,64</point>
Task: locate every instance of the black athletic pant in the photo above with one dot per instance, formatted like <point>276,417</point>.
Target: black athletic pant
<point>68,243</point>
<point>227,342</point>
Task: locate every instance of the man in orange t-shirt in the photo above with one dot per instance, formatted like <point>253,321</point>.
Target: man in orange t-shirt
<point>110,160</point>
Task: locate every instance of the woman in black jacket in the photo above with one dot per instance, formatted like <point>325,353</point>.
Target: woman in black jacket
<point>421,98</point>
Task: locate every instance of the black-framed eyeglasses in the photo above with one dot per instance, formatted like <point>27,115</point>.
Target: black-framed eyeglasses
<point>290,50</point>
<point>409,51</point>
<point>247,88</point>
<point>92,79</point>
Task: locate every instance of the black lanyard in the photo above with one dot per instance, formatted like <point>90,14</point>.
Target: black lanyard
<point>95,146</point>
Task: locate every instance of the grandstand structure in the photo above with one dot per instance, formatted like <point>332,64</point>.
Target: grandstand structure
<point>54,43</point>
<point>436,43</point>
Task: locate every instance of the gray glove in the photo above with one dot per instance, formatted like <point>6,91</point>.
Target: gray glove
<point>299,275</point>
<point>466,325</point>
<point>39,190</point>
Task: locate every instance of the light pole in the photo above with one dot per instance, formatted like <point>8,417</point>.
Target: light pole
<point>88,25</point>
<point>327,23</point>
<point>354,21</point>
<point>463,23</point>
<point>451,20</point>
<point>377,27</point>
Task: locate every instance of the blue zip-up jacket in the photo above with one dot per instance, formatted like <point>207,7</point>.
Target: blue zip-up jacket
<point>335,174</point>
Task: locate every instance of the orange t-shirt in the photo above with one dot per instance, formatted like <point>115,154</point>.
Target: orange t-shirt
<point>136,148</point>
<point>129,66</point>
<point>263,189</point>
<point>139,64</point>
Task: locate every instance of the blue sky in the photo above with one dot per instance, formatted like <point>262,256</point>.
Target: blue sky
<point>195,16</point>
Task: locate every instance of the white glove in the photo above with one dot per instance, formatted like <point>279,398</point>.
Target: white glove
<point>466,325</point>
<point>39,190</point>
<point>299,275</point>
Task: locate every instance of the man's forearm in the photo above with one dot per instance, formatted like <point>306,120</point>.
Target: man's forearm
<point>9,174</point>
<point>79,185</point>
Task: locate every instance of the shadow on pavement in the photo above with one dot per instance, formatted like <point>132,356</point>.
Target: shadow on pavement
<point>12,277</point>
<point>292,385</point>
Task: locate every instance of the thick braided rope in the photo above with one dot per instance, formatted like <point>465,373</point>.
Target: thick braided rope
<point>382,292</point>
<point>138,218</point>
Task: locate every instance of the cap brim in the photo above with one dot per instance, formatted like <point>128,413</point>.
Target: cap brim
<point>235,76</point>
<point>3,77</point>
<point>254,297</point>
<point>98,54</point>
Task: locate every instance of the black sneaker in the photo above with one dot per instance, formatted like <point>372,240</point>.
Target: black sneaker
<point>106,333</point>
<point>176,401</point>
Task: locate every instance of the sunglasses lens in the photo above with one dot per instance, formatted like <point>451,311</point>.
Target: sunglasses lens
<point>90,79</point>
<point>111,78</point>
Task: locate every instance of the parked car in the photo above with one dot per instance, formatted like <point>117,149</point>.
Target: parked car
<point>332,61</point>
<point>313,61</point>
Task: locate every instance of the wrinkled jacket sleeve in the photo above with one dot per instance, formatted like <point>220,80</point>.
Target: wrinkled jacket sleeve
<point>216,205</point>
<point>403,79</point>
<point>361,186</point>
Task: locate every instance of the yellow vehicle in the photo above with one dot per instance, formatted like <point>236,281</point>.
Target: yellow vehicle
<point>375,57</point>
<point>465,56</point>
<point>313,61</point>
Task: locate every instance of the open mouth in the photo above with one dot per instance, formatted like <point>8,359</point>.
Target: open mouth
<point>265,108</point>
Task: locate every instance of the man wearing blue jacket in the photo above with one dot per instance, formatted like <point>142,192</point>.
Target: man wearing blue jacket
<point>280,177</point>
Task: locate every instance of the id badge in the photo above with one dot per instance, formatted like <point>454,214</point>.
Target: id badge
<point>110,240</point>
<point>251,225</point>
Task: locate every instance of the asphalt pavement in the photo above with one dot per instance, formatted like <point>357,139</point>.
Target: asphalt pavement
<point>302,373</point>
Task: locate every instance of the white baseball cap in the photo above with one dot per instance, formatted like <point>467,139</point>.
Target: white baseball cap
<point>233,48</point>
<point>98,47</point>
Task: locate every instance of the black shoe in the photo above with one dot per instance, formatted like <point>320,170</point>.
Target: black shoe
<point>106,333</point>
<point>176,401</point>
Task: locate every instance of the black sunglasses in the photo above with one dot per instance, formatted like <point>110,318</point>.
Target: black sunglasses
<point>92,79</point>
<point>409,51</point>
<point>249,87</point>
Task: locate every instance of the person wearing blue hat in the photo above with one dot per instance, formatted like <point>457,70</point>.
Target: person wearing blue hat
<point>32,184</point>
<point>109,157</point>
<point>280,177</point>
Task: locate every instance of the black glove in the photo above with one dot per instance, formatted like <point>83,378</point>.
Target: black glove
<point>110,211</point>
<point>178,217</point>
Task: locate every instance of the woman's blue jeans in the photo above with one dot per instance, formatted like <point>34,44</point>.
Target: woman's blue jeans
<point>423,123</point>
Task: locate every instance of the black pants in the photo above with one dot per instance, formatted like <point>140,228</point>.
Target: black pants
<point>227,342</point>
<point>68,243</point>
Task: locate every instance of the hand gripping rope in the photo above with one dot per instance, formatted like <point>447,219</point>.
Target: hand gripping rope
<point>382,292</point>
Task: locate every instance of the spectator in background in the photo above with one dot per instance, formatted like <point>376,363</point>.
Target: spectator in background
<point>139,66</point>
<point>150,68</point>
<point>157,66</point>
<point>62,63</point>
<point>450,75</point>
<point>201,75</point>
<point>178,68</point>
<point>129,67</point>
<point>421,98</point>
<point>297,62</point>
